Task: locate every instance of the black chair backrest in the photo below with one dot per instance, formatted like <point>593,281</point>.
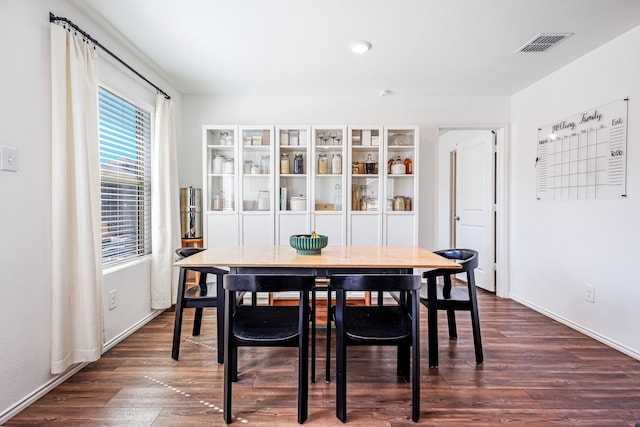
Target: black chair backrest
<point>267,282</point>
<point>467,258</point>
<point>186,252</point>
<point>376,282</point>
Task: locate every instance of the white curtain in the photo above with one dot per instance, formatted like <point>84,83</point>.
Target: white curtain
<point>165,210</point>
<point>77,331</point>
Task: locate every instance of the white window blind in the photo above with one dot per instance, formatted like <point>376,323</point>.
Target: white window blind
<point>125,176</point>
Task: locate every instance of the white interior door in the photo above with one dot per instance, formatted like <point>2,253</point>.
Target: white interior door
<point>475,201</point>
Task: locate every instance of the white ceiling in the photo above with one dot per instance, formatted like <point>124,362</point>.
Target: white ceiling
<point>300,47</point>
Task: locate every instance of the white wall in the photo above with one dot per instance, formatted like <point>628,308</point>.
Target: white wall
<point>427,112</point>
<point>557,247</point>
<point>25,199</point>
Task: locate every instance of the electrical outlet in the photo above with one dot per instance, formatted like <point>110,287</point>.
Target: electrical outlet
<point>113,299</point>
<point>9,159</point>
<point>590,295</point>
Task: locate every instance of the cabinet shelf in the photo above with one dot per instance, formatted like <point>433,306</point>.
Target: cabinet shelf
<point>400,147</point>
<point>372,148</point>
<point>328,147</point>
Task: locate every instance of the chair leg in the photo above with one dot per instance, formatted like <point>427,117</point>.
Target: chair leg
<point>327,366</point>
<point>220,317</point>
<point>234,364</point>
<point>341,365</point>
<point>177,327</point>
<point>415,386</point>
<point>451,316</point>
<point>415,359</point>
<point>197,321</point>
<point>432,322</point>
<point>475,318</point>
<point>313,336</point>
<point>229,369</point>
<point>403,361</point>
<point>303,362</point>
<point>451,320</point>
<point>228,381</point>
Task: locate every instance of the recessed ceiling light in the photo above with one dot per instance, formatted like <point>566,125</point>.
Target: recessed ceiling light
<point>360,46</point>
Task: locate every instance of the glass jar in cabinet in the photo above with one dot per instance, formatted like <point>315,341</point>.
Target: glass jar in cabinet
<point>323,164</point>
<point>336,163</point>
<point>284,163</point>
<point>298,164</point>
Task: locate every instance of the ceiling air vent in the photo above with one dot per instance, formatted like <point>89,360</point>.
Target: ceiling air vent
<point>543,42</point>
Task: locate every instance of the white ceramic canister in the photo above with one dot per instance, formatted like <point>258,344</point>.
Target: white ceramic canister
<point>298,203</point>
<point>227,166</point>
<point>263,200</point>
<point>216,163</point>
<point>398,169</point>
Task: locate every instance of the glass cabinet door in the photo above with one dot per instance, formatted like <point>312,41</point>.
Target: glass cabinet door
<point>365,185</point>
<point>256,185</point>
<point>400,170</point>
<point>292,182</point>
<point>219,168</point>
<point>256,165</point>
<point>401,186</point>
<point>328,168</point>
<point>328,181</point>
<point>292,168</point>
<point>366,164</point>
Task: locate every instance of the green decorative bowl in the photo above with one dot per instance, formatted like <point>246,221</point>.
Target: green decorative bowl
<point>304,244</point>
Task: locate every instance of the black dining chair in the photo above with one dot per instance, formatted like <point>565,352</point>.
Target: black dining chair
<point>450,297</point>
<point>204,295</point>
<point>378,325</point>
<point>266,326</point>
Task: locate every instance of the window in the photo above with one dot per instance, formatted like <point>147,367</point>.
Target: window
<point>125,179</point>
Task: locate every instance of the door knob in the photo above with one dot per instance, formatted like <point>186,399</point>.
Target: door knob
<point>457,218</point>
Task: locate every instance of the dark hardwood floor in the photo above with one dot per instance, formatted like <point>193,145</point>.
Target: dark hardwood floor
<point>536,372</point>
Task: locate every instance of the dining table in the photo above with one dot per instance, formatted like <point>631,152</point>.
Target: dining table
<point>283,259</point>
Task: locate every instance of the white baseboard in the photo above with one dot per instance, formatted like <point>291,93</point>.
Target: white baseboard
<point>124,334</point>
<point>59,379</point>
<point>604,340</point>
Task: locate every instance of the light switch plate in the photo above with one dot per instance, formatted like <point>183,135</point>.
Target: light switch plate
<point>9,159</point>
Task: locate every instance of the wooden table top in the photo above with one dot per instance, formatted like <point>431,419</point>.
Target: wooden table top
<point>331,257</point>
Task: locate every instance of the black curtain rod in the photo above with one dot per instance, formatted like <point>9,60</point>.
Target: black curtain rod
<point>53,18</point>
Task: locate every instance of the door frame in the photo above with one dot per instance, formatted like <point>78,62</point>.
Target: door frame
<point>501,194</point>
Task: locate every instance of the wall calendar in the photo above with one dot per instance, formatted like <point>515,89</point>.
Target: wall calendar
<point>584,156</point>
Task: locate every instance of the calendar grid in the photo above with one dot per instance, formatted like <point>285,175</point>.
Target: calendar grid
<point>584,156</point>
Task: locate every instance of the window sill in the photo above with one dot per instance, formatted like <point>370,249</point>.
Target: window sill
<point>125,265</point>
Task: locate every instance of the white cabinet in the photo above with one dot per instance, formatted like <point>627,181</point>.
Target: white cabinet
<point>401,190</point>
<point>220,151</point>
<point>238,181</point>
<point>256,185</point>
<point>366,175</point>
<point>328,180</point>
<point>292,172</point>
<point>356,184</point>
